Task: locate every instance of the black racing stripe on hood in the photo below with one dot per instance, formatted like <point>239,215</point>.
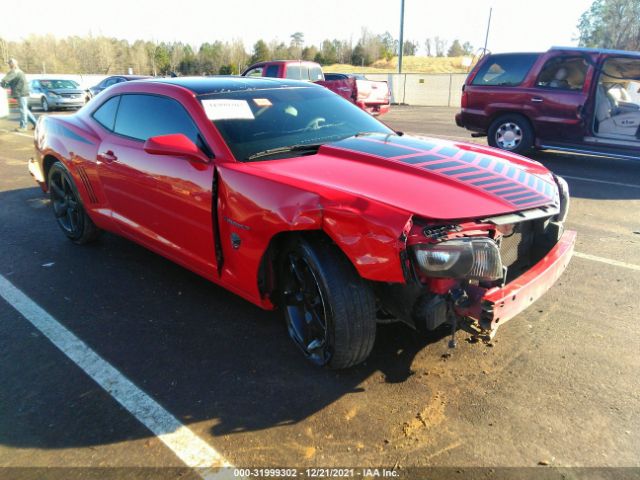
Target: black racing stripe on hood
<point>491,174</point>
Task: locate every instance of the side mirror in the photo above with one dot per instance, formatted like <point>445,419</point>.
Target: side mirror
<point>174,145</point>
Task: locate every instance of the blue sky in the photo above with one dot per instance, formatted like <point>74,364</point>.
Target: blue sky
<point>516,25</point>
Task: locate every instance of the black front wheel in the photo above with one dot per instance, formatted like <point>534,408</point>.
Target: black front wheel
<point>67,208</point>
<point>329,309</point>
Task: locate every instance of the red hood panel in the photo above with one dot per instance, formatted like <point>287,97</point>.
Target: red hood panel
<point>427,177</point>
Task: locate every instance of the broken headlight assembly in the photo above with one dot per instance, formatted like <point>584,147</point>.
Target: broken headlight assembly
<point>465,258</point>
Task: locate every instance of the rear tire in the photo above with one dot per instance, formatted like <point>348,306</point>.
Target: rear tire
<point>67,207</point>
<point>511,132</point>
<point>329,309</point>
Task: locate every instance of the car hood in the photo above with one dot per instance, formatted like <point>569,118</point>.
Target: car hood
<point>59,91</point>
<point>428,177</point>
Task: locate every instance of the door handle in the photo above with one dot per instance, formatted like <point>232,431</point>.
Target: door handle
<point>537,100</point>
<point>107,157</point>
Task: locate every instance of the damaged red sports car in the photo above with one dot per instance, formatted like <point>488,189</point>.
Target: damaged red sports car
<point>293,198</point>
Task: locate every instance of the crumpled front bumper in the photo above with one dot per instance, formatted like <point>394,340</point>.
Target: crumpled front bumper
<point>497,305</point>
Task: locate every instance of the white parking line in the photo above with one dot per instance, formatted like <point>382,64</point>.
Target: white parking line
<point>618,184</point>
<point>616,263</point>
<point>190,448</point>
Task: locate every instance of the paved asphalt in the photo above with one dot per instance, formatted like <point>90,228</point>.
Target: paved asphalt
<point>558,386</point>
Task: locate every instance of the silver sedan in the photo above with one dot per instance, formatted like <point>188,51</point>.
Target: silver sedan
<point>51,94</point>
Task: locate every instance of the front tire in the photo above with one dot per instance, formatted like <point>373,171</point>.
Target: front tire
<point>512,133</point>
<point>329,309</point>
<point>44,104</point>
<point>67,207</point>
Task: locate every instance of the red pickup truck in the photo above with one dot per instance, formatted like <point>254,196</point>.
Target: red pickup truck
<point>570,99</point>
<point>373,97</point>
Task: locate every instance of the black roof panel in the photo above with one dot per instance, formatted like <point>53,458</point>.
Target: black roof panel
<point>231,83</point>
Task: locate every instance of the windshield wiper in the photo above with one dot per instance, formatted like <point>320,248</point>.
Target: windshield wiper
<point>303,147</point>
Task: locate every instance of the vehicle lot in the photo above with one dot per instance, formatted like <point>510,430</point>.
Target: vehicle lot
<point>558,385</point>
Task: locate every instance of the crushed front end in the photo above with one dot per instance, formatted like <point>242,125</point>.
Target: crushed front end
<point>485,270</point>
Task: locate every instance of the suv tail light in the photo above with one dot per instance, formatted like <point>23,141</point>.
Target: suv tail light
<point>464,99</point>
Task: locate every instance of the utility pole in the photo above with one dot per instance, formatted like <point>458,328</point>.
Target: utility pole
<point>400,47</point>
<point>486,38</point>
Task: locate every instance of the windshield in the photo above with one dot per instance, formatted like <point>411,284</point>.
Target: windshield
<point>255,121</point>
<point>55,84</point>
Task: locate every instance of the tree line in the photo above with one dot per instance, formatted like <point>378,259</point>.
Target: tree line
<point>106,55</point>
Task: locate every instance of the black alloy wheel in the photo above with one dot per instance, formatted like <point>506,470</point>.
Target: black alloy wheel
<point>67,208</point>
<point>306,315</point>
<point>330,311</point>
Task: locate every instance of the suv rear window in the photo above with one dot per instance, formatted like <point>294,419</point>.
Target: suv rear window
<point>505,70</point>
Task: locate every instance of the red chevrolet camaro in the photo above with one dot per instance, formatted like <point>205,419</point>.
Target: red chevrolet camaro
<point>293,198</point>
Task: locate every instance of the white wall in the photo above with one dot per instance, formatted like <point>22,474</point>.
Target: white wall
<point>433,89</point>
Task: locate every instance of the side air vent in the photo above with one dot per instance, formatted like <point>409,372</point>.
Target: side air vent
<point>87,185</point>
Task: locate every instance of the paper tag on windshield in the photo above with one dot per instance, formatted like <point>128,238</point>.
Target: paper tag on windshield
<point>227,109</point>
<point>262,102</point>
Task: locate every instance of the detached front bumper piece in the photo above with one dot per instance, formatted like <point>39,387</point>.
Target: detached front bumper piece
<point>500,304</point>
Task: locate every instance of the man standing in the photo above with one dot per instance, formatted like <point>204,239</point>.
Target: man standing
<point>17,81</point>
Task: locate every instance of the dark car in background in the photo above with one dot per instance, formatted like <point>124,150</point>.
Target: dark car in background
<point>55,93</point>
<point>570,99</point>
<point>114,79</point>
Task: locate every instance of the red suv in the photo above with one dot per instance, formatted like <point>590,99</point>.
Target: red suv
<point>571,99</point>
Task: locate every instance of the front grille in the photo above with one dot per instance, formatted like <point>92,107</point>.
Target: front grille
<point>516,249</point>
<point>71,95</point>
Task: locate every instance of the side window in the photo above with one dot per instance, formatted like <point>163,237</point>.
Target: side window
<point>505,70</point>
<point>272,71</point>
<point>105,115</point>
<point>254,72</point>
<point>315,74</point>
<point>144,116</point>
<point>563,73</point>
<point>293,72</point>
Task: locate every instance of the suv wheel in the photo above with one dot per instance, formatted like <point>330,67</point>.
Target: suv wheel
<point>512,133</point>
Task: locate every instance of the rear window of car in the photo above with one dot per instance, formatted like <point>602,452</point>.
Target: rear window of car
<point>506,70</point>
<point>272,71</point>
<point>105,115</point>
<point>294,72</point>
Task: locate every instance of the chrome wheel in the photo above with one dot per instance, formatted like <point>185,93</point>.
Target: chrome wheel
<point>508,136</point>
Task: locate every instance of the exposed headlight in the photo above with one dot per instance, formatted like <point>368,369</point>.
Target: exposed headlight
<point>471,258</point>
<point>563,190</point>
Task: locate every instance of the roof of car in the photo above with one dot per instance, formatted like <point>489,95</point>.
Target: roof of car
<point>599,50</point>
<point>231,83</point>
<point>129,77</point>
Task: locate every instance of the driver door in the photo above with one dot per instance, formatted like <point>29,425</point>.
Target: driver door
<point>161,201</point>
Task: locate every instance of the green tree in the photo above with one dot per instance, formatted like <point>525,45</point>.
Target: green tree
<point>410,48</point>
<point>455,50</point>
<point>360,56</point>
<point>611,24</point>
<point>227,70</point>
<point>467,48</point>
<point>260,52</point>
